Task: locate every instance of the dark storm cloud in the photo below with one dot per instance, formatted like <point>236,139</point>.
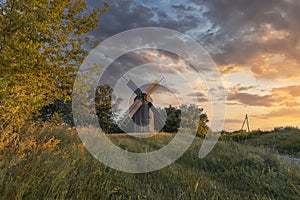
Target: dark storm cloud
<point>182,7</point>
<point>235,32</point>
<point>125,15</point>
<point>120,66</point>
<point>121,16</point>
<point>241,24</point>
<point>134,59</point>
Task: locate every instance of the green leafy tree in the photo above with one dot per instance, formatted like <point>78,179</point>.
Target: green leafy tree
<point>186,116</point>
<point>105,105</point>
<point>202,128</point>
<point>194,119</point>
<point>173,120</point>
<point>41,48</point>
<point>61,108</point>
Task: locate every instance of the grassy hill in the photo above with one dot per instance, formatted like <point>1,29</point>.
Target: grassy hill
<point>285,141</point>
<point>53,164</point>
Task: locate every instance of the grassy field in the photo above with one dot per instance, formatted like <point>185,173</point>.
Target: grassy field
<point>53,164</point>
<point>286,142</point>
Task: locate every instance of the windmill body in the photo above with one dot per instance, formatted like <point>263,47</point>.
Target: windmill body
<point>142,111</point>
<point>142,116</point>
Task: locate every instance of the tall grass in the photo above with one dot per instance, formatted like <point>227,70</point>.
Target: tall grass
<point>285,141</point>
<point>52,163</point>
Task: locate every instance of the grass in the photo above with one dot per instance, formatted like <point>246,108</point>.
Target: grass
<point>285,142</point>
<point>53,164</point>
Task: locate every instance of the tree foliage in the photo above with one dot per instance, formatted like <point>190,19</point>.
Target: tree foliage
<point>106,109</point>
<point>186,116</point>
<point>173,119</point>
<point>41,47</point>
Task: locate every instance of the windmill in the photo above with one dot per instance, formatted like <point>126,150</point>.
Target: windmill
<point>142,111</point>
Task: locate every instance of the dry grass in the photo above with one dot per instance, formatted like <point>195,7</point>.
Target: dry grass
<point>51,163</point>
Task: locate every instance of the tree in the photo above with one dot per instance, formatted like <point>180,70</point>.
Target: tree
<point>173,119</point>
<point>193,118</point>
<point>41,48</point>
<point>202,124</point>
<point>105,105</point>
<point>60,108</point>
<point>186,116</point>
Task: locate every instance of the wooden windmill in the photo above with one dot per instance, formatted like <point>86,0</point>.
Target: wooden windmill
<point>142,111</point>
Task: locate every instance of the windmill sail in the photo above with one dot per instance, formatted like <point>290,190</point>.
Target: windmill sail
<point>142,111</point>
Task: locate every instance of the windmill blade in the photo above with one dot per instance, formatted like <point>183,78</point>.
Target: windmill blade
<point>152,88</point>
<point>134,107</point>
<point>157,115</point>
<point>155,85</point>
<point>134,88</point>
<point>124,123</point>
<point>129,113</point>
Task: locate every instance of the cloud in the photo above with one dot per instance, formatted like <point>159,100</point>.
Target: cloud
<point>228,69</point>
<point>293,90</point>
<point>120,66</point>
<point>252,99</point>
<point>237,33</point>
<point>240,88</point>
<point>125,15</point>
<point>121,16</point>
<point>278,97</point>
<point>245,30</point>
<point>281,113</point>
<point>197,94</point>
<point>182,7</point>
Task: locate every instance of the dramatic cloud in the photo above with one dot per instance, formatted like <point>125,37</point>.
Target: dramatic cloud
<point>249,31</point>
<point>260,35</point>
<point>255,44</point>
<point>252,99</point>
<point>278,97</point>
<point>125,15</point>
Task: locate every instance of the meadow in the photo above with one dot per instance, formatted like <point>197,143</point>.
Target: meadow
<point>286,142</point>
<point>50,162</point>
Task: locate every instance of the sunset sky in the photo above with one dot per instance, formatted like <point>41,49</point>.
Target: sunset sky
<point>255,45</point>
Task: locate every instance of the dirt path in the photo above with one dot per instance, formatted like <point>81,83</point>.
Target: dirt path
<point>290,159</point>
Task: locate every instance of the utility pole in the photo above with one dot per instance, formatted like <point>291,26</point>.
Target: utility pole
<point>246,120</point>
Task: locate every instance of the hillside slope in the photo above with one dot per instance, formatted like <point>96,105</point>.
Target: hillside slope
<point>55,165</point>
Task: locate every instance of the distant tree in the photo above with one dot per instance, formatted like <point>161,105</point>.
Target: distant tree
<point>105,106</point>
<point>106,109</point>
<point>189,117</point>
<point>193,118</point>
<point>41,48</point>
<point>173,120</point>
<point>202,124</point>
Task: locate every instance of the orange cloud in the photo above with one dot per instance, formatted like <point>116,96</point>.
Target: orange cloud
<point>273,66</point>
<point>228,69</point>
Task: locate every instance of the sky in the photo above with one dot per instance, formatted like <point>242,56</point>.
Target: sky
<point>255,46</point>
